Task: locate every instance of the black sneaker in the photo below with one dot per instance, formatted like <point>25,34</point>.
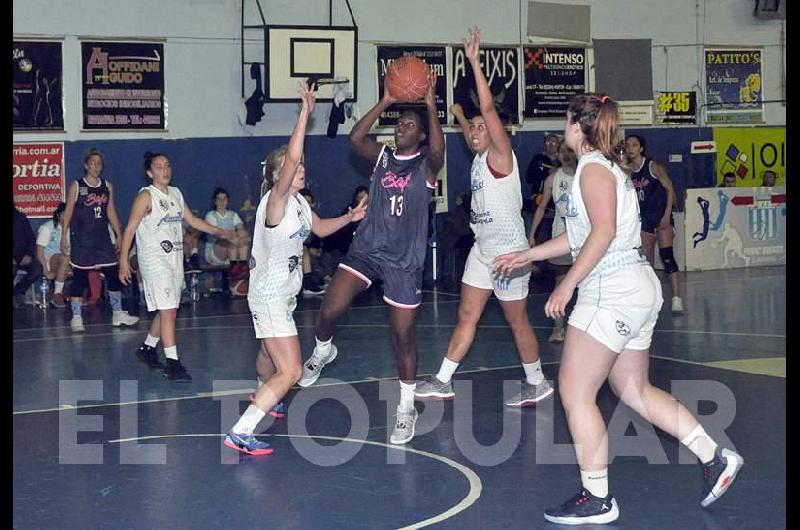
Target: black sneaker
<point>174,371</point>
<point>149,356</point>
<point>584,508</point>
<point>719,474</point>
<point>313,288</point>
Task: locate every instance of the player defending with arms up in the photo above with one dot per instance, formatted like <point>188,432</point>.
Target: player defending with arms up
<point>498,227</point>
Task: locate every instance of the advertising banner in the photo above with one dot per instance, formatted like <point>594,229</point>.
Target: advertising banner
<point>38,178</point>
<point>501,68</point>
<point>123,85</point>
<point>435,57</point>
<point>734,86</point>
<point>37,76</point>
<point>553,76</point>
<point>676,108</point>
<point>749,151</point>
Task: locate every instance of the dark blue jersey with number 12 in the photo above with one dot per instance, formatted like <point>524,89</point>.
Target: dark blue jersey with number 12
<point>395,230</point>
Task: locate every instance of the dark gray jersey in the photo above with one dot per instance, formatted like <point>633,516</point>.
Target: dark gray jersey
<point>395,230</point>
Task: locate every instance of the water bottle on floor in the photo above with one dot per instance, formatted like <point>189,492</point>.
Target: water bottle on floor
<point>42,292</point>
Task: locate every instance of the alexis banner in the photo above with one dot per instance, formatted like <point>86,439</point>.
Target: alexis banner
<point>553,76</point>
<point>37,77</point>
<point>123,85</point>
<point>435,57</point>
<point>501,68</point>
<point>733,86</point>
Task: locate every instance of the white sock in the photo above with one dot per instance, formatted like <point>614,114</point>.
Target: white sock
<point>323,347</point>
<point>407,396</point>
<point>446,370</point>
<point>152,341</point>
<point>171,352</point>
<point>701,444</point>
<point>596,482</point>
<point>59,287</point>
<point>533,373</point>
<point>249,420</point>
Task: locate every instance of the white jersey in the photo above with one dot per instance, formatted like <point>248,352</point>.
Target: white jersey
<point>562,189</point>
<point>496,217</point>
<point>159,236</point>
<point>625,249</point>
<point>276,262</point>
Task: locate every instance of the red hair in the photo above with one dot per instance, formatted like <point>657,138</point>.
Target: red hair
<point>598,116</point>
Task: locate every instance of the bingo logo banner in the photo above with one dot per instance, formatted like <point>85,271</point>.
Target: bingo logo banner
<point>38,178</point>
<point>749,151</point>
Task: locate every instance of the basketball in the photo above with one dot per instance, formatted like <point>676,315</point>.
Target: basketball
<point>407,78</point>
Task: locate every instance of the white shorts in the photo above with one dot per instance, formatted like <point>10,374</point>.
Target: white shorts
<point>274,319</point>
<point>162,290</point>
<point>479,273</point>
<point>620,308</point>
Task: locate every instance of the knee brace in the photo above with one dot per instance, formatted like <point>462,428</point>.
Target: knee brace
<point>668,259</point>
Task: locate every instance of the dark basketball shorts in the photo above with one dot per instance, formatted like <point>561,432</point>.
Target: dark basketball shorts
<point>650,222</point>
<point>400,288</point>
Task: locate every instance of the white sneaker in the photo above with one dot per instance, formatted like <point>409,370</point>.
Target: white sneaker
<point>677,304</point>
<point>121,318</point>
<point>314,365</point>
<point>404,426</point>
<point>77,324</point>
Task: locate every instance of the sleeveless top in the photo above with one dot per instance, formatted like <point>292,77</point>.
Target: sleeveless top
<point>90,242</point>
<point>625,249</point>
<point>651,193</point>
<point>562,188</point>
<point>496,217</point>
<point>395,231</point>
<point>159,236</point>
<point>276,260</point>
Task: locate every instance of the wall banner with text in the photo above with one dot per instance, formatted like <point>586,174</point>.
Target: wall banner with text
<point>748,151</point>
<point>123,85</point>
<point>553,76</point>
<point>38,177</point>
<point>676,108</point>
<point>734,86</point>
<point>435,57</point>
<point>501,68</point>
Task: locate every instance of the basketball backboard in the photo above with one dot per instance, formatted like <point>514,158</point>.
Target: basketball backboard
<point>325,54</point>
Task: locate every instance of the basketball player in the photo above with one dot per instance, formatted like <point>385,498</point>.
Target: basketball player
<point>611,326</point>
<point>283,221</point>
<point>156,219</point>
<point>656,197</point>
<point>497,224</point>
<point>86,240</point>
<point>558,186</point>
<point>390,244</point>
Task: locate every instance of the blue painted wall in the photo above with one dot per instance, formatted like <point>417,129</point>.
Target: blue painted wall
<point>201,164</point>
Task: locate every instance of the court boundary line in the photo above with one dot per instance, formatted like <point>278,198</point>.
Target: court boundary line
<point>473,480</point>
